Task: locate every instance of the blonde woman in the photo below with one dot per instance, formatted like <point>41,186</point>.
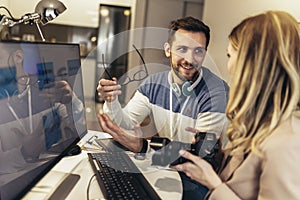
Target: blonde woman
<point>263,157</point>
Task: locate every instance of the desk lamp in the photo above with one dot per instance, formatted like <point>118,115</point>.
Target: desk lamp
<point>45,11</point>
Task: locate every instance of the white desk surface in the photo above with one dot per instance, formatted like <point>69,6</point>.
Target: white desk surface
<point>165,181</point>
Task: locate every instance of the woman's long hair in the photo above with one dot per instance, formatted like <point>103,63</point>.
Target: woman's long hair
<point>265,84</point>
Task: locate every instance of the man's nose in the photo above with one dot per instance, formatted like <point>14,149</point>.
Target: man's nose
<point>190,57</point>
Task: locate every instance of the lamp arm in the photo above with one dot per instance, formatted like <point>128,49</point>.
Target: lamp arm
<point>40,31</point>
<point>45,11</point>
<point>29,18</point>
<point>6,21</point>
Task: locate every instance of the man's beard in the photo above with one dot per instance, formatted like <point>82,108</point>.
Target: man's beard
<point>180,76</point>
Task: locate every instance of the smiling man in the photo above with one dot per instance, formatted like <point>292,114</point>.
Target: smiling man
<point>186,50</point>
<point>187,99</point>
<point>188,95</point>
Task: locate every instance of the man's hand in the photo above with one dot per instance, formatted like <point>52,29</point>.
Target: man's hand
<point>131,139</point>
<point>108,89</point>
<point>61,92</point>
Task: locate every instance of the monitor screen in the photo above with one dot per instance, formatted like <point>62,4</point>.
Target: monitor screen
<point>42,111</point>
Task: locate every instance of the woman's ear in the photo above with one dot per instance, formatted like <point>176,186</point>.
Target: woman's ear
<point>167,49</point>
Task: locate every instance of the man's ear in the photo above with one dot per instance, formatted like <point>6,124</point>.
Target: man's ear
<point>167,49</point>
<point>18,57</point>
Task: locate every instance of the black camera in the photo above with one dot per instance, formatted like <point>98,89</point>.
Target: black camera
<point>206,145</point>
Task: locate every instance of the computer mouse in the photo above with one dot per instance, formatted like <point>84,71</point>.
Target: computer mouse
<point>74,150</point>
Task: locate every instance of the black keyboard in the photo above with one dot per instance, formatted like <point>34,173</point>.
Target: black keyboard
<point>119,178</point>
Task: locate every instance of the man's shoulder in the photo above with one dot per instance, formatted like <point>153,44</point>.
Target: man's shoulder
<point>154,81</point>
<point>208,73</point>
<point>213,80</point>
<point>162,74</point>
<point>159,77</point>
<point>155,86</point>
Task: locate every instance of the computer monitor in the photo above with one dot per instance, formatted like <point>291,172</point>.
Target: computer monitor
<point>42,111</point>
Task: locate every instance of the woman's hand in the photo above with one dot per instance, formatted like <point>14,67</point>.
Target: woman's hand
<point>199,170</point>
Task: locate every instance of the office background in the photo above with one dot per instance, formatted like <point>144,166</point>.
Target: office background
<point>80,23</point>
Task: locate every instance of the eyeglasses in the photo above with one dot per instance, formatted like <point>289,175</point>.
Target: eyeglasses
<point>137,76</point>
<point>106,71</point>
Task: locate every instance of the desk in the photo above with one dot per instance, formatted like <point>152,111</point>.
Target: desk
<point>70,177</point>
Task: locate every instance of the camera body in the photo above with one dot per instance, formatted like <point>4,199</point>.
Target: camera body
<point>206,145</point>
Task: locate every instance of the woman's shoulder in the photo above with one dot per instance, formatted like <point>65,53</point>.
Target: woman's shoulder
<point>285,138</point>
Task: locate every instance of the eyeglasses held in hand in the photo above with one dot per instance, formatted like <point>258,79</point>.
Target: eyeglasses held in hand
<point>137,76</point>
<point>106,71</point>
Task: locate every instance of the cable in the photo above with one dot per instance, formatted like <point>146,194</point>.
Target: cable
<point>88,187</point>
<point>8,12</point>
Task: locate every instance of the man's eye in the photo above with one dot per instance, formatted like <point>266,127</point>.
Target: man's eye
<point>200,51</point>
<point>228,55</point>
<point>182,49</point>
